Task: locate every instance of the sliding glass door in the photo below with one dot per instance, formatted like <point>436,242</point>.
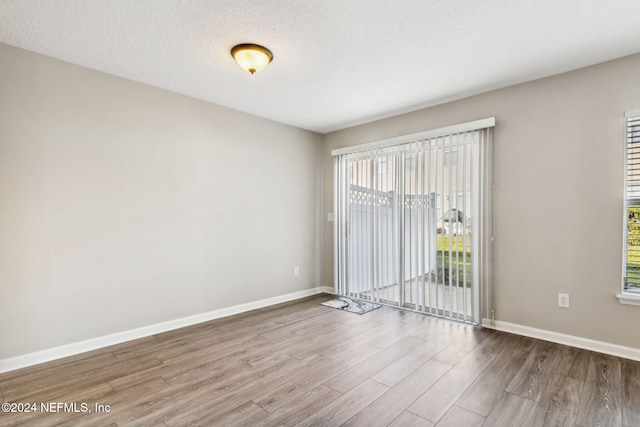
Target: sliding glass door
<point>411,224</point>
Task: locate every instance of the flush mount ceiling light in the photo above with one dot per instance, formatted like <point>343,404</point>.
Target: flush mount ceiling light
<point>252,57</point>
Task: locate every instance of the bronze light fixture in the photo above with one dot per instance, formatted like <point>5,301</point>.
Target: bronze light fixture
<point>251,57</point>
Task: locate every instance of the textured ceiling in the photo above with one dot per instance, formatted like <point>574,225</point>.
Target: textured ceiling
<point>336,62</point>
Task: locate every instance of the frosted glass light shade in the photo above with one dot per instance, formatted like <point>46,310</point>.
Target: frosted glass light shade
<point>252,57</point>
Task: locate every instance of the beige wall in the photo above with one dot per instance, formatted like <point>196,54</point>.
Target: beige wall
<point>122,205</point>
<point>558,199</point>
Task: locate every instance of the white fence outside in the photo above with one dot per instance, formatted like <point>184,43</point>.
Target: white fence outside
<point>373,255</point>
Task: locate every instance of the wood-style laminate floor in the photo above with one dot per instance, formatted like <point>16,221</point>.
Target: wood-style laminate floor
<point>306,364</point>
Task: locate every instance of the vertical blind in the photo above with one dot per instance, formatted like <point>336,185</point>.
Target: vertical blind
<point>413,222</point>
<point>631,250</point>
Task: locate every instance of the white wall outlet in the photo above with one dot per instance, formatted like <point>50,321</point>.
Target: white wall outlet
<point>563,301</point>
<point>330,217</point>
<point>296,271</point>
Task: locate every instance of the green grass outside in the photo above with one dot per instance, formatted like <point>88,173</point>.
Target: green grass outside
<point>452,249</point>
<point>633,264</point>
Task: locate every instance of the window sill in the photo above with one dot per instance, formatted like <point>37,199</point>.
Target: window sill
<point>630,299</point>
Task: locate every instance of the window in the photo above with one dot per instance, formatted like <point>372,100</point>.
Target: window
<point>631,242</point>
<point>382,166</point>
<point>450,158</point>
<point>409,161</point>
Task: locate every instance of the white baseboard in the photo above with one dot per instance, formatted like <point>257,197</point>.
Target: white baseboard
<point>328,290</point>
<point>54,353</point>
<point>573,341</point>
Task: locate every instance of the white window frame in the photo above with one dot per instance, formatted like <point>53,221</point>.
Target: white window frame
<point>626,296</point>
